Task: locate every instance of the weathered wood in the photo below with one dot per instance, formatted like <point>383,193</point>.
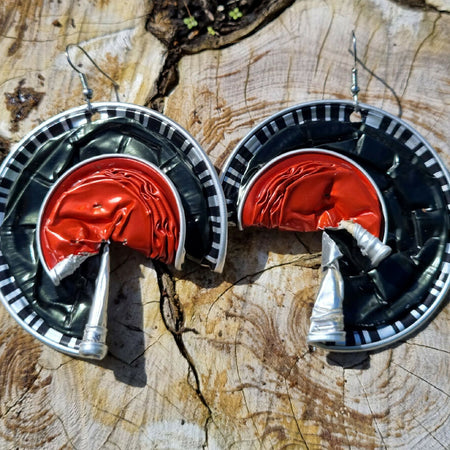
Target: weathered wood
<point>237,373</point>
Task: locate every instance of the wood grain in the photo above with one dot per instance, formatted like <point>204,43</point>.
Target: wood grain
<point>234,370</point>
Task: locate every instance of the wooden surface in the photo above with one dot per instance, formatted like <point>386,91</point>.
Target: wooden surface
<point>234,370</point>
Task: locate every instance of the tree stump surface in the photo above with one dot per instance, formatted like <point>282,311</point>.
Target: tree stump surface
<point>221,361</point>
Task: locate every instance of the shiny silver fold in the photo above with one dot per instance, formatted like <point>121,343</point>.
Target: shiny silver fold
<point>327,318</point>
<point>93,344</point>
<point>67,267</point>
<point>369,244</point>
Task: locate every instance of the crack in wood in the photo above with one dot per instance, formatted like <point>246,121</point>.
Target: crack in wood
<point>66,433</point>
<point>298,236</point>
<point>310,261</point>
<point>54,369</point>
<point>291,406</point>
<point>140,355</point>
<point>22,397</point>
<point>383,82</point>
<point>418,49</point>
<point>246,81</point>
<point>429,433</point>
<point>322,45</point>
<point>173,318</point>
<point>425,346</point>
<point>295,419</point>
<point>163,22</point>
<point>421,378</point>
<point>244,397</point>
<point>424,5</point>
<point>373,415</point>
<point>119,418</point>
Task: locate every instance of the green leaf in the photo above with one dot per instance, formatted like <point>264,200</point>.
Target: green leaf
<point>190,22</point>
<point>235,14</point>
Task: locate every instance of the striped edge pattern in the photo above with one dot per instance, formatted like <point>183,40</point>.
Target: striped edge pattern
<point>336,110</point>
<point>10,294</point>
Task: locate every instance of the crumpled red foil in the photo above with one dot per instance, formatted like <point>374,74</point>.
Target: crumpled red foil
<point>117,199</point>
<point>310,191</point>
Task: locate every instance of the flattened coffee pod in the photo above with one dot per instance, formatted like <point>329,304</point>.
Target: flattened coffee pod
<point>386,303</point>
<point>57,315</point>
<point>308,190</point>
<point>108,198</point>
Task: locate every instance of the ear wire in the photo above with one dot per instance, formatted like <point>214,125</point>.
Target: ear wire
<point>355,88</point>
<point>87,91</point>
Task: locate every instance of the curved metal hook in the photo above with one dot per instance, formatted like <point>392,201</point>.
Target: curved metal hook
<point>355,88</point>
<point>87,91</point>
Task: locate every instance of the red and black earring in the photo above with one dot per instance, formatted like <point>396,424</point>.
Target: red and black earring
<point>380,194</point>
<point>97,173</point>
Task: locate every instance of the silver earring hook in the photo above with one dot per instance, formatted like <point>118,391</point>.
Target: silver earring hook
<point>355,88</point>
<point>87,91</point>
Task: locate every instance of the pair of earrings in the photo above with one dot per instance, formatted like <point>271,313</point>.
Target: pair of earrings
<point>116,171</point>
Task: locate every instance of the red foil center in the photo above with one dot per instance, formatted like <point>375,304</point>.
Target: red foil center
<point>119,199</point>
<point>310,191</point>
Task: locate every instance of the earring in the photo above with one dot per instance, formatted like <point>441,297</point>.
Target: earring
<point>379,193</point>
<point>101,172</point>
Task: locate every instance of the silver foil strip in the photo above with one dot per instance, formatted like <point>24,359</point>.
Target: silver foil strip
<point>327,318</point>
<point>67,267</point>
<point>93,344</point>
<point>369,244</point>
